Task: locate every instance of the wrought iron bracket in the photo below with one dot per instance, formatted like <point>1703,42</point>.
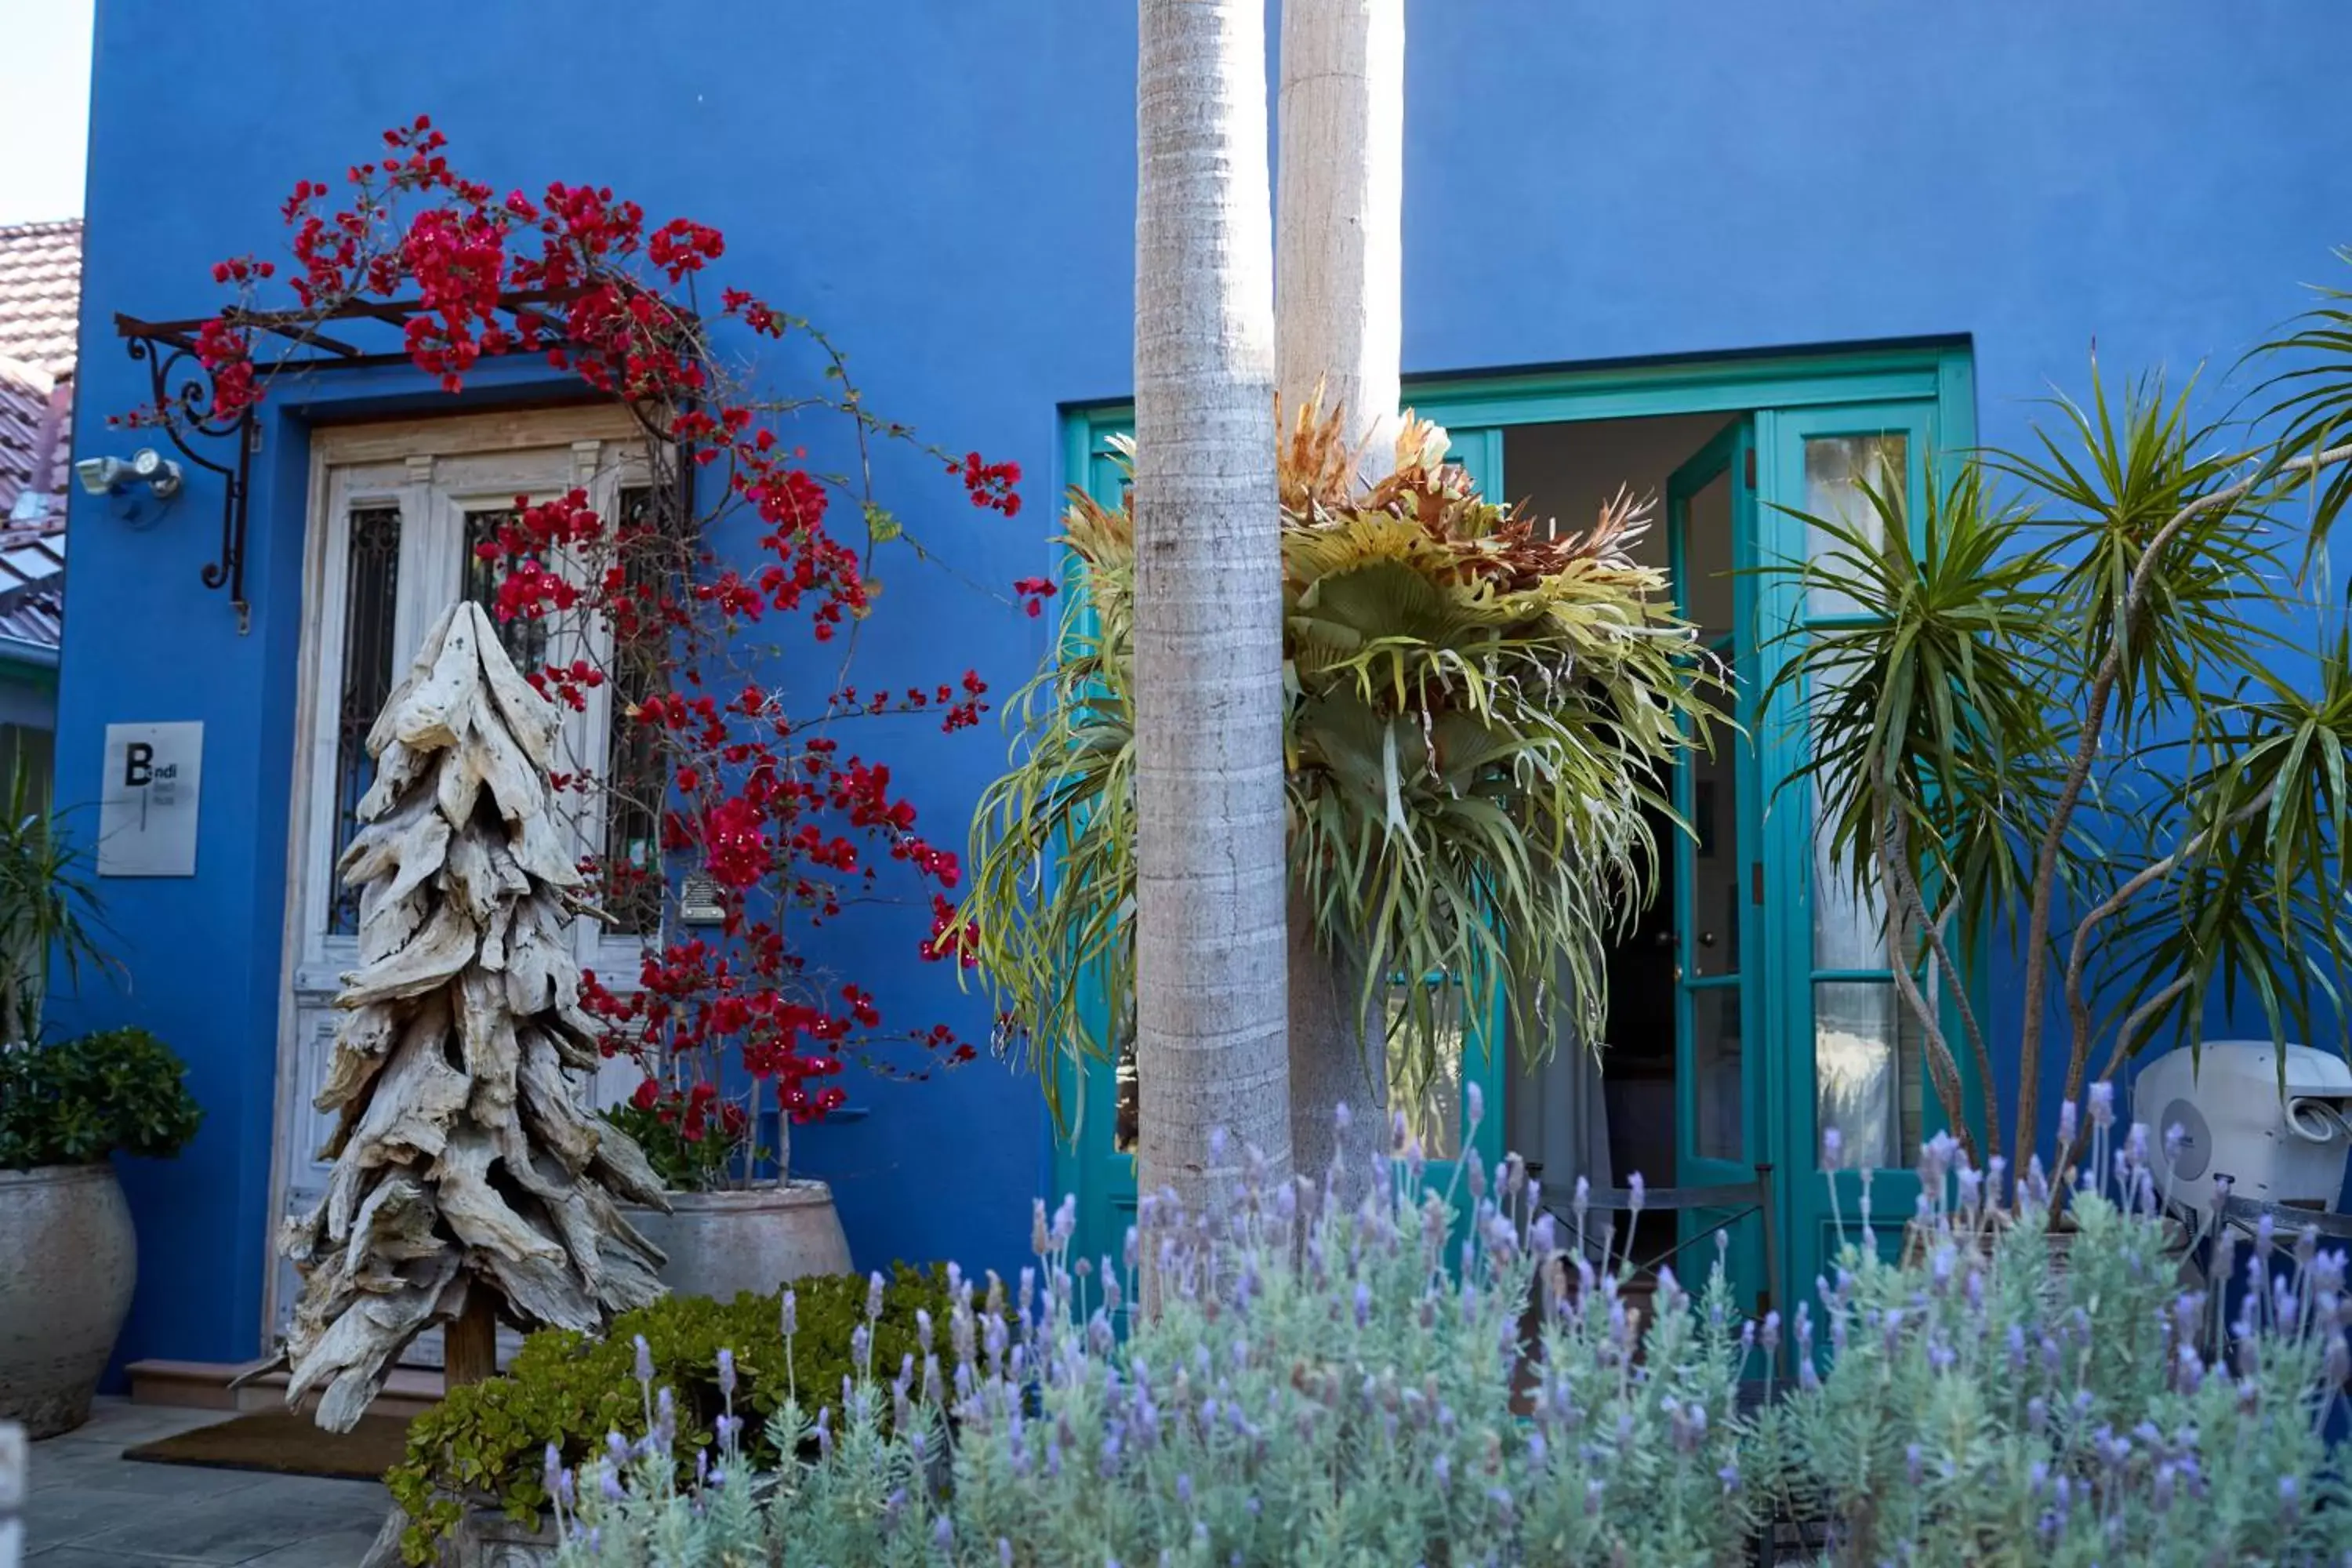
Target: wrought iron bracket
<point>182,405</point>
<point>183,389</point>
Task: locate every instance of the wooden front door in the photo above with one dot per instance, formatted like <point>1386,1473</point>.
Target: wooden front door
<point>397,511</point>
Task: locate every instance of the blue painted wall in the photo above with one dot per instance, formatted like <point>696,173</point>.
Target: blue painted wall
<point>947,187</point>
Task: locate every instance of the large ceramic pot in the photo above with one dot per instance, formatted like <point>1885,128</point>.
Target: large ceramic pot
<point>723,1244</point>
<point>68,1261</point>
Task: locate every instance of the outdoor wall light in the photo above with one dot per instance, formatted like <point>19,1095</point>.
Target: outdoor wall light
<point>114,477</point>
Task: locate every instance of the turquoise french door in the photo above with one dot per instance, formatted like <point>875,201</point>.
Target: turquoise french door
<point>1852,1052</point>
<point>1716,878</point>
<point>1095,1160</point>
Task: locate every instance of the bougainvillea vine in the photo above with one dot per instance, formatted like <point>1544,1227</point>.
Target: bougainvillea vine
<point>745,780</point>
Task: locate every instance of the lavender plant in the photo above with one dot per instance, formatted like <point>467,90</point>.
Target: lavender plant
<point>1343,1372</point>
<point>1329,1377</point>
<point>2010,1395</point>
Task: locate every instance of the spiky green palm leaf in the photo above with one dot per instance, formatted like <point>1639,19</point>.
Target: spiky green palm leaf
<point>1933,708</point>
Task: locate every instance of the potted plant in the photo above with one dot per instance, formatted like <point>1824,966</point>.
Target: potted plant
<point>728,1230</point>
<point>64,1109</point>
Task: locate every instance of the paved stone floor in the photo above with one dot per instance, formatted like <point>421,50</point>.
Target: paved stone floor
<point>91,1508</point>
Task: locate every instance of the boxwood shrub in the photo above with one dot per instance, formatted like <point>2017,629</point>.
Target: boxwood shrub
<point>486,1445</point>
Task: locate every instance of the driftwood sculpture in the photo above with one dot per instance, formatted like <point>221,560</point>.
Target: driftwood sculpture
<point>468,1182</point>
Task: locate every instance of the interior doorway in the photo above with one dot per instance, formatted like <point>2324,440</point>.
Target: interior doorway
<point>1608,1109</point>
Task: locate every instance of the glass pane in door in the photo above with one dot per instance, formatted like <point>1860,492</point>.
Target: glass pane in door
<point>1865,1040</point>
<point>525,638</point>
<point>370,610</point>
<point>1434,1114</point>
<point>1717,1104</point>
<point>1837,470</point>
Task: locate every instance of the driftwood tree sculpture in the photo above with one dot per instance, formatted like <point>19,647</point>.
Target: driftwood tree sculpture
<point>468,1182</point>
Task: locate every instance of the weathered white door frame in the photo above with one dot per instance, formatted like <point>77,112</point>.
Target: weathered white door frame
<point>432,476</point>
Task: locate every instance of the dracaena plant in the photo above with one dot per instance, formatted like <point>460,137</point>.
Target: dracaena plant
<point>1481,708</point>
<point>2088,713</point>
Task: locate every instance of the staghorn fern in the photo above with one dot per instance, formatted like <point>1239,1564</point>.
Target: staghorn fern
<point>1481,709</point>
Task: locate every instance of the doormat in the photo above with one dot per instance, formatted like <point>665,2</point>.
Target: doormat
<point>286,1443</point>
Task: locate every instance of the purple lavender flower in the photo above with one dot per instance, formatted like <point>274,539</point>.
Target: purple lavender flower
<point>2103,1105</point>
<point>791,1314</point>
<point>727,1374</point>
<point>645,1363</point>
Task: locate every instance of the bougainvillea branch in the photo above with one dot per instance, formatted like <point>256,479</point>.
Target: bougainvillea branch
<point>751,783</point>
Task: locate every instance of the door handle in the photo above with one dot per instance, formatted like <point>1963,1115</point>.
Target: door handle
<point>1706,939</point>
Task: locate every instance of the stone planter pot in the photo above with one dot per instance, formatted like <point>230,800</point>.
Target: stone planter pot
<point>722,1244</point>
<point>70,1260</point>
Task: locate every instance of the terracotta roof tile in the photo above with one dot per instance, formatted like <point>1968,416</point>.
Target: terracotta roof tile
<point>40,292</point>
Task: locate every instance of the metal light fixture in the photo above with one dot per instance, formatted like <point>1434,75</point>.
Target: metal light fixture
<point>114,477</point>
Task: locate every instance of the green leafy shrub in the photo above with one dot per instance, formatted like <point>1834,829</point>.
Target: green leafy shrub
<point>77,1102</point>
<point>487,1444</point>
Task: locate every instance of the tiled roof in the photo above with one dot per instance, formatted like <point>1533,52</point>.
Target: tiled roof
<point>33,580</point>
<point>35,428</point>
<point>40,292</point>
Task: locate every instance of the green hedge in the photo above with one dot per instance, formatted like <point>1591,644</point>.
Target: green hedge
<point>488,1442</point>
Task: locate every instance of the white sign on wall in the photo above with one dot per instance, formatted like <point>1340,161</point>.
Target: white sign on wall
<point>147,803</point>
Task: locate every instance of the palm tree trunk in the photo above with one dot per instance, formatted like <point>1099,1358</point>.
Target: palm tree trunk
<point>1339,1057</point>
<point>1210,871</point>
<point>1339,222</point>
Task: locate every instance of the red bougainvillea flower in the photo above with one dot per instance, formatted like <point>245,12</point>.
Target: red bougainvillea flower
<point>614,593</point>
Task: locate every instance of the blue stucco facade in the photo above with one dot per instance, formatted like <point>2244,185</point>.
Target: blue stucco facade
<point>947,187</point>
